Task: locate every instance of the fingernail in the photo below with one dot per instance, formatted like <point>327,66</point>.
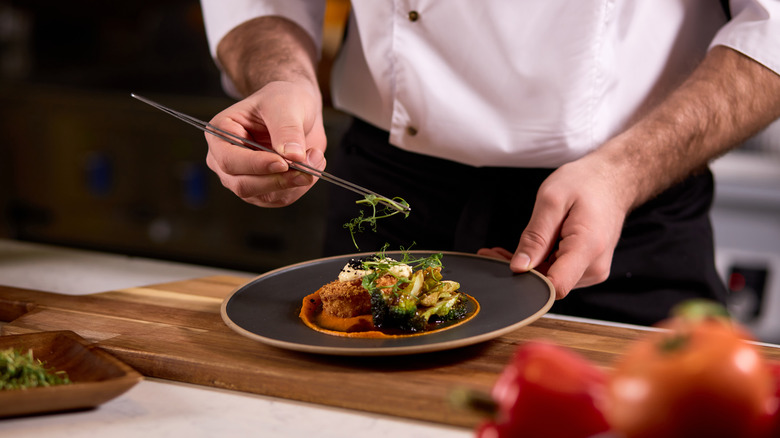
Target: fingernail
<point>522,261</point>
<point>277,167</point>
<point>293,149</point>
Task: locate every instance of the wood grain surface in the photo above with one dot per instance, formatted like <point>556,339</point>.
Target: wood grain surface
<point>174,331</point>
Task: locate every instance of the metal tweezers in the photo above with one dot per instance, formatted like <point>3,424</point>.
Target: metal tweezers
<point>249,144</point>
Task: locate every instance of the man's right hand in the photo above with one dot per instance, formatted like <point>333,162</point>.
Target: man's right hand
<point>285,116</point>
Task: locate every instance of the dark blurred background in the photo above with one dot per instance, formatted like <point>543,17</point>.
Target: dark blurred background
<point>82,164</point>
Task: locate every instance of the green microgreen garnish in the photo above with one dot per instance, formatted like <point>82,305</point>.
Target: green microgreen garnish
<point>390,207</point>
<point>20,370</point>
<point>381,265</point>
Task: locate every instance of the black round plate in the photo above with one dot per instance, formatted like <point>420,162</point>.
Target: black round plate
<point>266,309</point>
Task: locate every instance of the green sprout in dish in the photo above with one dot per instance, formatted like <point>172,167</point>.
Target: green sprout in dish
<point>21,371</point>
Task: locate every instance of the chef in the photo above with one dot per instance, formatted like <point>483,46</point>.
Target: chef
<point>568,136</point>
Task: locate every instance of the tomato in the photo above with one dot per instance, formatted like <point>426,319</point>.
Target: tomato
<point>698,378</point>
<point>547,391</point>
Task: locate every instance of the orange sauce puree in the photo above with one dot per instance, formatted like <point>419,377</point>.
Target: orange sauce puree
<point>361,326</point>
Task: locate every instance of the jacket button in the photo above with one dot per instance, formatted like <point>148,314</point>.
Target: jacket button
<point>411,131</point>
<point>414,16</point>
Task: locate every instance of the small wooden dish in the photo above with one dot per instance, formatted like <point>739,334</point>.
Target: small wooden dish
<point>96,375</point>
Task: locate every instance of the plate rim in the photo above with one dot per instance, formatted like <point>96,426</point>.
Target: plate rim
<point>386,351</point>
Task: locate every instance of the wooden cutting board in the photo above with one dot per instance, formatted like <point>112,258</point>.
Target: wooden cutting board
<point>174,331</point>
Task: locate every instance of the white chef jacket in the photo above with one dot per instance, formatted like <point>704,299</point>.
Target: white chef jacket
<point>533,83</point>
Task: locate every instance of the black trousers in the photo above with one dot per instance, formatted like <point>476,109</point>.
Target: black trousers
<point>665,254</point>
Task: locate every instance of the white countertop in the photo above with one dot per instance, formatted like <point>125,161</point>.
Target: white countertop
<point>160,408</point>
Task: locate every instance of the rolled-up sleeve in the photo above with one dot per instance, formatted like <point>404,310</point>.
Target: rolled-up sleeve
<point>754,30</point>
<point>220,17</point>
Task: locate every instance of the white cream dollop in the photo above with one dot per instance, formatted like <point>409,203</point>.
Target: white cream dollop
<point>348,273</point>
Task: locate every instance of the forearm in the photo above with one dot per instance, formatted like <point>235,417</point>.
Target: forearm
<point>268,49</point>
<point>727,99</point>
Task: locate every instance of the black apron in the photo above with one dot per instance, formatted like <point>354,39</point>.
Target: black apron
<point>665,253</point>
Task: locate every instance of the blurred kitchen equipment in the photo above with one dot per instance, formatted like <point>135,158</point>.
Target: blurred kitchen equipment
<point>746,222</point>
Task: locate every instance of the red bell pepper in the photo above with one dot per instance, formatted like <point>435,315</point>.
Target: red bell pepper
<point>774,422</point>
<point>547,391</point>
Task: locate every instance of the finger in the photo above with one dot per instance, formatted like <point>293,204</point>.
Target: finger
<point>566,271</point>
<point>286,130</point>
<point>233,160</point>
<point>496,253</point>
<point>316,159</point>
<point>579,262</point>
<point>294,178</point>
<point>539,236</point>
<point>271,189</point>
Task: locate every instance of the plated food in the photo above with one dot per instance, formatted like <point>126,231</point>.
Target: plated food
<point>267,308</point>
<point>379,297</point>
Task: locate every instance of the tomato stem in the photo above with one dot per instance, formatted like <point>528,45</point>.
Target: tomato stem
<point>700,310</point>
